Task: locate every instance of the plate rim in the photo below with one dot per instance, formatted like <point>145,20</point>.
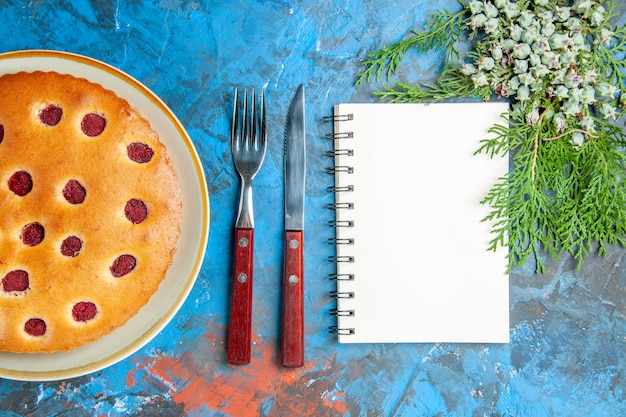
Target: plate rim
<point>161,322</point>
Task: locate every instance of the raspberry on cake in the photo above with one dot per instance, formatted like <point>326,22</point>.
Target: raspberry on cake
<point>21,183</point>
<point>91,212</point>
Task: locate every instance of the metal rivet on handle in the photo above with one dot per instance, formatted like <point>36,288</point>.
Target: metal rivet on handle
<point>293,279</point>
<point>293,244</point>
<point>242,277</point>
<point>243,242</point>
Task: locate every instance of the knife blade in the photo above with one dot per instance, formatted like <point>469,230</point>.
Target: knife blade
<point>292,346</point>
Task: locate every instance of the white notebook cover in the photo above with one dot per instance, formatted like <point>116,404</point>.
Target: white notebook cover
<point>422,271</point>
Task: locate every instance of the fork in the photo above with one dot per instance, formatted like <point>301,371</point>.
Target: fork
<point>248,145</point>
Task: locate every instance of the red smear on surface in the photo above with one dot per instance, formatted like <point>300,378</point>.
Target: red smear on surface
<point>245,390</point>
<point>130,378</point>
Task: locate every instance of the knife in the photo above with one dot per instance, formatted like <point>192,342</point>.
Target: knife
<point>292,347</point>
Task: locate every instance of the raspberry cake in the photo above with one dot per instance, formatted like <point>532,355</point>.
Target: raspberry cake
<point>90,212</point>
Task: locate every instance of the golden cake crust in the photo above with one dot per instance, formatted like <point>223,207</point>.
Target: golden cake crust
<point>65,285</point>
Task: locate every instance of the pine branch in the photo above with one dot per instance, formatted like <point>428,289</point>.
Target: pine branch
<point>450,84</point>
<point>442,31</point>
<point>562,65</point>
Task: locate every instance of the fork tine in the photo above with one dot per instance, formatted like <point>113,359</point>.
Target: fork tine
<point>252,122</point>
<point>262,123</point>
<point>246,121</point>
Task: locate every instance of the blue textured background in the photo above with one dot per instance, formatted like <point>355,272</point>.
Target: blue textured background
<point>568,329</point>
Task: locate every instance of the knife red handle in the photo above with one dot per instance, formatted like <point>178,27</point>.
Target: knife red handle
<point>293,301</point>
<point>239,337</point>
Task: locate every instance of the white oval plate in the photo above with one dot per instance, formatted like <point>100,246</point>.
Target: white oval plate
<point>174,289</point>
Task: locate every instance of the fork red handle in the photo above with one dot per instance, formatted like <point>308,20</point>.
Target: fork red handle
<point>239,336</point>
<point>292,349</point>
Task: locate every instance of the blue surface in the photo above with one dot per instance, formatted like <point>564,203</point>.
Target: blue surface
<point>568,329</point>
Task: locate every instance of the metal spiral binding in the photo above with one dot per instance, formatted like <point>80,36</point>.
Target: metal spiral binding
<point>341,189</point>
<point>339,135</point>
<point>341,241</point>
<point>343,313</point>
<point>344,294</point>
<point>341,277</point>
<point>339,152</point>
<point>340,206</point>
<point>341,169</point>
<point>343,332</point>
<point>337,259</point>
<point>338,117</point>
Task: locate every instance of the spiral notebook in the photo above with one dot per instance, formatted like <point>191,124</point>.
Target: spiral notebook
<point>412,258</point>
